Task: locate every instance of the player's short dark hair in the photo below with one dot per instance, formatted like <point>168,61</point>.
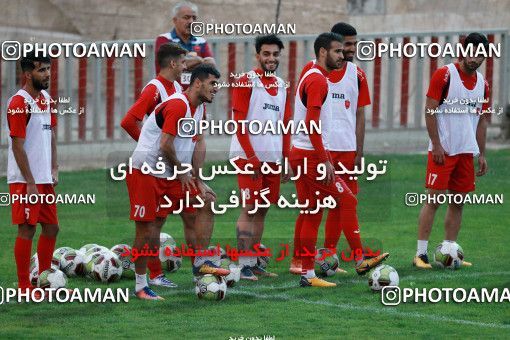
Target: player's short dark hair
<point>202,72</point>
<point>27,62</point>
<point>344,29</point>
<point>270,39</point>
<point>324,40</point>
<point>168,52</point>
<point>476,39</point>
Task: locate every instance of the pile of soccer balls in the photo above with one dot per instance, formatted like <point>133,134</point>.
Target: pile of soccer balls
<point>109,265</point>
<point>92,260</point>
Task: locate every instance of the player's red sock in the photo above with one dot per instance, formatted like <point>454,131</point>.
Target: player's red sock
<point>154,265</point>
<point>45,248</point>
<point>333,228</point>
<point>308,239</point>
<point>297,237</point>
<point>22,250</point>
<point>349,222</point>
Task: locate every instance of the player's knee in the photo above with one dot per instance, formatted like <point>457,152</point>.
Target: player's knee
<point>26,231</point>
<point>246,210</point>
<point>160,221</point>
<point>262,212</point>
<point>432,205</point>
<point>210,198</point>
<point>208,201</point>
<point>456,206</point>
<point>54,230</point>
<point>50,230</point>
<point>144,230</point>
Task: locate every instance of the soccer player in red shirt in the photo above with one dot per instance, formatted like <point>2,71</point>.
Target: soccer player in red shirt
<point>313,104</point>
<point>455,138</point>
<point>164,129</point>
<point>32,165</point>
<point>171,60</point>
<point>262,97</point>
<point>346,138</point>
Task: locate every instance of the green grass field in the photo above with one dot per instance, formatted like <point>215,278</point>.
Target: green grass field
<point>279,307</point>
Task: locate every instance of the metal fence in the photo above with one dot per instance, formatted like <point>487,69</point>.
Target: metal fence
<point>106,88</point>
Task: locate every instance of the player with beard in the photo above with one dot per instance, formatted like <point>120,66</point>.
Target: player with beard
<point>349,91</point>
<point>455,138</point>
<point>171,58</point>
<point>313,104</point>
<point>32,165</point>
<point>262,97</point>
<point>162,138</point>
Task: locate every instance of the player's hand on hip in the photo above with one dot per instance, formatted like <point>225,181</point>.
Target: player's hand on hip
<point>32,189</point>
<point>438,154</point>
<point>482,166</point>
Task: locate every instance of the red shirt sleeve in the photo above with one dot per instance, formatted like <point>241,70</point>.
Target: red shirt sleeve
<point>287,116</point>
<point>308,66</point>
<point>146,103</point>
<point>437,83</point>
<point>206,51</point>
<point>17,117</point>
<point>314,91</point>
<point>363,93</point>
<point>130,125</point>
<point>240,104</point>
<point>172,111</point>
<point>53,120</point>
<point>148,100</point>
<point>241,95</point>
<point>159,41</point>
<point>244,139</point>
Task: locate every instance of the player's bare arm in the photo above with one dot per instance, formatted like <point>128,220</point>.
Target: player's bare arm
<point>54,158</point>
<point>193,60</point>
<point>481,136</point>
<point>360,134</point>
<point>431,122</point>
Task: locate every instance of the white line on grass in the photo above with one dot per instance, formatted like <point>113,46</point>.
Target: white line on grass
<point>453,275</point>
<point>425,277</point>
<point>384,310</point>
